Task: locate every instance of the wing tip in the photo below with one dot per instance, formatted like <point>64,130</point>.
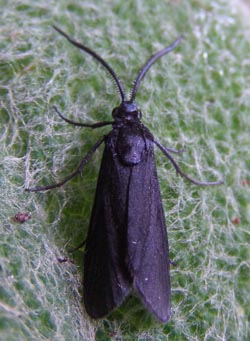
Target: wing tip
<point>160,308</point>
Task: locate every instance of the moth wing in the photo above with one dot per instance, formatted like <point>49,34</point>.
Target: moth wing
<point>106,280</point>
<point>148,254</point>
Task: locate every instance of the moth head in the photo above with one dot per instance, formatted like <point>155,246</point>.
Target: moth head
<point>127,111</point>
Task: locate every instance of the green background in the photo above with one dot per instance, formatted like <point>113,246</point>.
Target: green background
<point>198,97</point>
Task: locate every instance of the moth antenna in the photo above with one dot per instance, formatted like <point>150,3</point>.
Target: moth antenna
<point>131,89</point>
<point>117,89</point>
<point>97,57</point>
<point>148,64</point>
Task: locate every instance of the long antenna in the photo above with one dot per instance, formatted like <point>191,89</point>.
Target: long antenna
<point>97,57</point>
<point>150,62</point>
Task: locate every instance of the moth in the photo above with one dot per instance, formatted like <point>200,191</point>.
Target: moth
<point>126,246</point>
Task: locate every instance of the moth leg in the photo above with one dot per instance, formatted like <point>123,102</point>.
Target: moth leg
<point>72,175</point>
<point>73,249</point>
<point>172,262</point>
<point>179,171</point>
<point>87,125</point>
<point>172,150</point>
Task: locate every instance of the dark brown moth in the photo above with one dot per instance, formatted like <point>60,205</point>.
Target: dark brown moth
<point>126,245</point>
